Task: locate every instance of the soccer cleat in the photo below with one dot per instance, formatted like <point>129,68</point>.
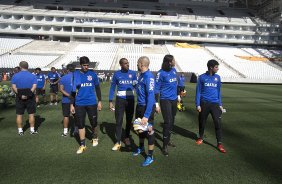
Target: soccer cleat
<point>81,149</point>
<point>64,135</point>
<point>127,142</point>
<point>94,142</point>
<point>149,160</point>
<point>51,104</point>
<point>220,148</point>
<point>199,141</point>
<point>171,145</point>
<point>21,133</point>
<point>116,147</point>
<point>138,151</point>
<point>56,103</point>
<point>38,106</point>
<point>165,151</point>
<point>33,132</point>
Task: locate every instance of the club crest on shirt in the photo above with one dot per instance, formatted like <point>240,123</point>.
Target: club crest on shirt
<point>89,78</point>
<point>215,79</point>
<point>130,76</point>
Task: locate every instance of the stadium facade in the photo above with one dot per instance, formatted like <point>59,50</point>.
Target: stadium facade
<point>138,22</point>
<point>236,33</point>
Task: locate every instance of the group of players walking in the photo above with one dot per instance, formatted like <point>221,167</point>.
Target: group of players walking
<point>82,94</point>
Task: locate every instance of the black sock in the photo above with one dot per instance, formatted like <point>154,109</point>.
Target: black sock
<point>150,153</point>
<point>82,142</point>
<point>141,145</point>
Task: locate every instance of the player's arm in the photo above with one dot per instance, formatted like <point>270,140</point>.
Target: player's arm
<point>135,81</point>
<point>198,94</point>
<point>150,90</point>
<point>219,94</point>
<point>157,91</point>
<point>33,88</point>
<point>14,88</point>
<point>112,91</point>
<point>58,79</point>
<point>98,92</point>
<point>63,91</point>
<point>45,82</point>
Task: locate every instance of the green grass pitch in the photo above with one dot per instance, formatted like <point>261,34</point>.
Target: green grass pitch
<point>252,131</point>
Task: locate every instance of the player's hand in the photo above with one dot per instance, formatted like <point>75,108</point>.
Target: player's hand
<point>111,106</point>
<point>72,109</point>
<point>150,128</point>
<point>99,107</point>
<point>221,108</point>
<point>199,109</point>
<point>178,98</point>
<point>158,110</point>
<point>144,121</point>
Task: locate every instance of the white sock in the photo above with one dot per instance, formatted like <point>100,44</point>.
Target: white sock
<point>65,130</point>
<point>32,129</point>
<point>20,129</point>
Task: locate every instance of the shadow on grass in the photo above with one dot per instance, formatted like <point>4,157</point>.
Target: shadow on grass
<point>1,119</point>
<point>38,121</point>
<point>263,157</point>
<point>109,129</point>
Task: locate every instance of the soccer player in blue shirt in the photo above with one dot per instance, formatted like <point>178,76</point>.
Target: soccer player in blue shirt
<point>53,79</point>
<point>181,83</point>
<point>84,83</point>
<point>41,86</point>
<point>24,85</point>
<point>145,108</point>
<point>208,101</point>
<point>125,81</point>
<point>166,89</point>
<point>65,86</point>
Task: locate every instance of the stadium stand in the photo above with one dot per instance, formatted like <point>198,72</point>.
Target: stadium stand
<point>195,60</point>
<point>105,31</point>
<point>250,68</point>
<point>11,61</point>
<point>10,44</point>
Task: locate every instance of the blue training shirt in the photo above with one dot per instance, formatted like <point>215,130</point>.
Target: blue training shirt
<point>166,84</point>
<point>84,84</point>
<point>181,81</point>
<point>24,79</point>
<point>66,81</point>
<point>146,91</point>
<point>208,89</point>
<point>125,82</point>
<point>53,77</point>
<point>40,80</point>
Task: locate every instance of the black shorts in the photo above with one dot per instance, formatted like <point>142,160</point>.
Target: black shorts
<point>29,105</point>
<point>66,109</point>
<point>40,91</point>
<point>54,89</point>
<point>140,111</point>
<point>80,115</point>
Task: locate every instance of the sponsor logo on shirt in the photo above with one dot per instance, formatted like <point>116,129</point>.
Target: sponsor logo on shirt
<point>158,77</point>
<point>125,82</point>
<point>211,84</point>
<point>152,84</point>
<point>89,78</point>
<point>86,84</point>
<point>173,80</point>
